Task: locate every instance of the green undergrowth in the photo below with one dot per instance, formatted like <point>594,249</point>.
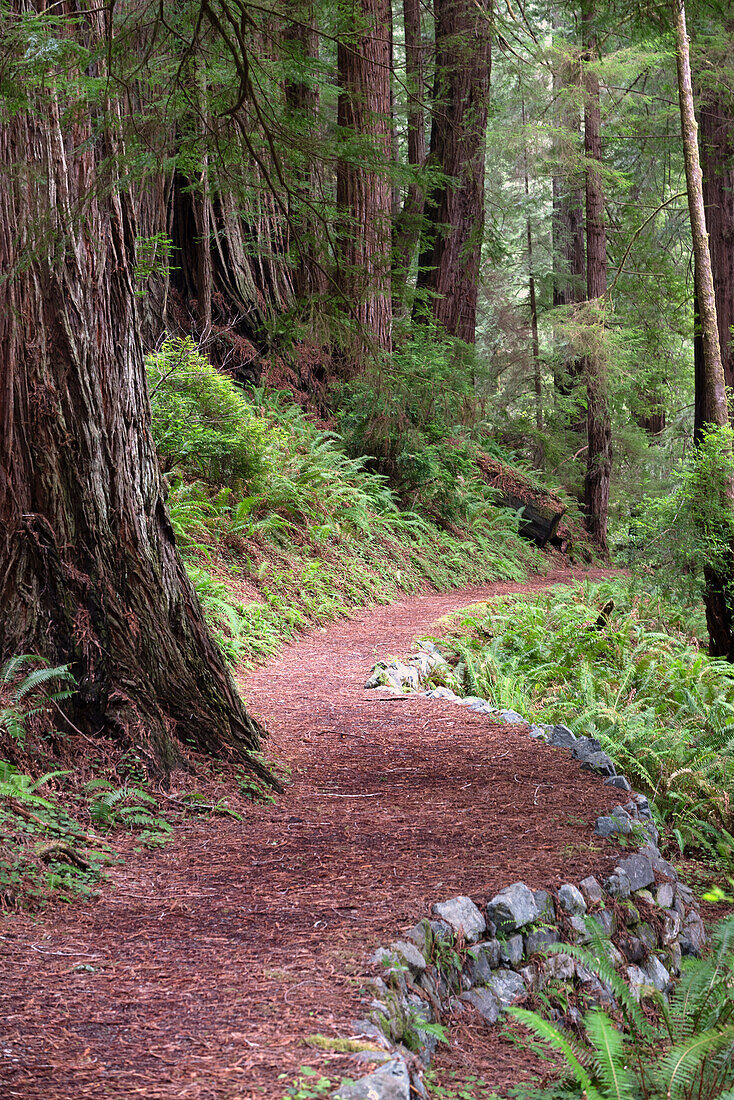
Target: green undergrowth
<point>280,529</point>
<point>67,810</point>
<point>611,663</point>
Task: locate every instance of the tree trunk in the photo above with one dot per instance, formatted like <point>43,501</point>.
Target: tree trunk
<point>410,218</point>
<point>569,253</point>
<point>717,167</point>
<point>711,403</point>
<point>452,241</point>
<point>302,101</point>
<point>89,573</point>
<point>598,419</point>
<point>363,186</point>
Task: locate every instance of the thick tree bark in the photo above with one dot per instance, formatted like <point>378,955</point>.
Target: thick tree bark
<point>711,402</point>
<point>452,240</point>
<point>409,220</point>
<point>598,417</point>
<point>363,186</point>
<point>89,573</point>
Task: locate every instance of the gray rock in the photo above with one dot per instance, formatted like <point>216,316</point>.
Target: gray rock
<point>638,870</point>
<point>657,974</point>
<point>363,1029</point>
<point>614,955</point>
<point>513,908</point>
<point>631,913</point>
<point>472,701</point>
<point>372,1057</point>
<point>671,927</point>
<point>591,890</point>
<point>578,924</point>
<point>389,1082</point>
<point>600,763</point>
<point>385,958</point>
<point>441,693</point>
<point>481,960</point>
<point>511,950</point>
<point>428,982</point>
<point>410,954</point>
<point>659,865</point>
<point>585,747</point>
<point>632,948</point>
<point>462,914</point>
<point>605,921</point>
<point>608,826</point>
<point>486,1003</point>
<point>571,899</point>
<point>647,934</point>
<point>643,807</point>
<point>540,940</point>
<point>644,895</point>
<point>674,958</point>
<point>512,718</point>
<point>665,895</point>
<point>562,737</point>
<point>620,781</point>
<point>684,893</point>
<point>546,908</point>
<point>618,885</point>
<point>638,981</point>
<point>561,967</point>
<point>507,986</point>
<point>538,733</point>
<point>428,932</point>
<point>693,937</point>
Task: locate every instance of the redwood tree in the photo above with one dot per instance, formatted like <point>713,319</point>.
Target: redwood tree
<point>363,186</point>
<point>598,418</point>
<point>452,241</point>
<point>89,573</point>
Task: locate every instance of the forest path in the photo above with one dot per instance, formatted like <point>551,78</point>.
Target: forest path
<point>203,970</point>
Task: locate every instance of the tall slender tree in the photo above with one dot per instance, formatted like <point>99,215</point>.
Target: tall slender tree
<point>363,184</point>
<point>452,239</point>
<point>598,417</point>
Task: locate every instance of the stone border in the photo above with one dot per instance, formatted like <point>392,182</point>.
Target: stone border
<point>483,957</point>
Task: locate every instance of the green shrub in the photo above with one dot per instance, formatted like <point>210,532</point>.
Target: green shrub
<point>201,422</point>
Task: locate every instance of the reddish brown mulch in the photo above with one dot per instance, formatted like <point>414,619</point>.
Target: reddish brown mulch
<point>215,958</point>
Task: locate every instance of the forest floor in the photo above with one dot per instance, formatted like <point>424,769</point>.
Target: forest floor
<point>202,969</point>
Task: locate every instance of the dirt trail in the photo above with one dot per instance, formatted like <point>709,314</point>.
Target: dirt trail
<point>203,970</point>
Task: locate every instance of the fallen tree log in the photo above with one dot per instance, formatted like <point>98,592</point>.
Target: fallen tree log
<point>541,511</point>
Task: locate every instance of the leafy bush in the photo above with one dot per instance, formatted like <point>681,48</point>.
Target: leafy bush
<point>661,708</point>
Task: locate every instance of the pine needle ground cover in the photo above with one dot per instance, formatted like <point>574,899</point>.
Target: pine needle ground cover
<point>606,662</point>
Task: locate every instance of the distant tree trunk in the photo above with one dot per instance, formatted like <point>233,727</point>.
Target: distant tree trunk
<point>452,238</point>
<point>409,220</point>
<point>89,573</point>
<point>302,100</point>
<point>534,337</point>
<point>363,186</point>
<point>598,418</point>
<point>711,399</point>
<point>569,252</point>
